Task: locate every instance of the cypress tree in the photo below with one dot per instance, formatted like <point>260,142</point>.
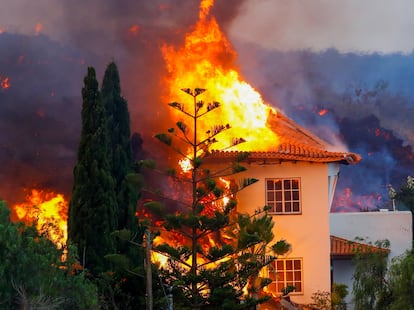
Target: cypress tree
<point>121,151</point>
<point>92,209</point>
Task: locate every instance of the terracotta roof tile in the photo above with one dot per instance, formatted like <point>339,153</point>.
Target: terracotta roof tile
<point>341,247</point>
<point>295,144</point>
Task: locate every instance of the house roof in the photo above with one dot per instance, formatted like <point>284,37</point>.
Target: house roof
<point>343,248</point>
<point>295,144</point>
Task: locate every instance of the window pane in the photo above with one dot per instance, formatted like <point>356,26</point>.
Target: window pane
<point>289,276</point>
<point>278,196</point>
<point>279,286</point>
<point>278,184</point>
<point>288,195</point>
<point>298,287</point>
<point>280,276</point>
<point>296,207</point>
<point>272,207</point>
<point>272,276</point>
<point>298,275</point>
<point>279,207</point>
<point>288,207</point>
<point>295,183</point>
<point>270,196</point>
<point>289,265</point>
<point>270,184</point>
<point>295,195</point>
<point>279,265</point>
<point>286,184</point>
<point>297,264</point>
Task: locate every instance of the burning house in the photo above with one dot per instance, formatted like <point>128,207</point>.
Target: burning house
<point>297,179</point>
<point>297,171</point>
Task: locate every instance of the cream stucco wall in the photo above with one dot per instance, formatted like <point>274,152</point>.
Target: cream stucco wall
<point>308,233</point>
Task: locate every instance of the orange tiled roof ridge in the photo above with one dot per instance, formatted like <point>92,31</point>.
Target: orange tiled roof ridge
<point>295,144</point>
<point>344,247</point>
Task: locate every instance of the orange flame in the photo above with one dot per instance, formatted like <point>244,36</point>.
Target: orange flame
<point>133,30</point>
<point>207,60</point>
<point>38,28</point>
<point>48,211</point>
<point>323,112</point>
<point>4,82</point>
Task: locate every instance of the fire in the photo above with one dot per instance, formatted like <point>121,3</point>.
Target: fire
<point>4,82</point>
<point>323,112</point>
<point>133,30</point>
<point>48,211</point>
<point>207,60</point>
<point>346,201</point>
<point>38,28</point>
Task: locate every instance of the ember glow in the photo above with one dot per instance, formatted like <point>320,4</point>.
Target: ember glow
<point>207,60</point>
<point>4,82</point>
<point>322,112</point>
<point>133,30</point>
<point>38,28</point>
<point>48,211</point>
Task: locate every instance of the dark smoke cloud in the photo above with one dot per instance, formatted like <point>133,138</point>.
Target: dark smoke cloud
<point>40,112</point>
<point>368,105</point>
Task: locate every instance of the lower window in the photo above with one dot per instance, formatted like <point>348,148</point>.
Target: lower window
<point>286,273</point>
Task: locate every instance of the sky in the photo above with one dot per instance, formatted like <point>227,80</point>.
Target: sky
<point>383,26</point>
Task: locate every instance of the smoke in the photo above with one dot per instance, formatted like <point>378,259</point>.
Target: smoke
<point>40,112</point>
<point>363,101</point>
<point>47,46</point>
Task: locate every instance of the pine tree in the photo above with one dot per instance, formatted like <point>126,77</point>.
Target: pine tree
<point>92,209</point>
<point>213,252</point>
<point>121,152</point>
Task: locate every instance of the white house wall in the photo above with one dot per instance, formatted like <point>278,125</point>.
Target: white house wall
<point>308,233</point>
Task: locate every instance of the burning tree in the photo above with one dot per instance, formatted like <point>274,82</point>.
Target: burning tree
<point>212,252</point>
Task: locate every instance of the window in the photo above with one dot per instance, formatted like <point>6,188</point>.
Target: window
<point>283,195</point>
<point>284,273</point>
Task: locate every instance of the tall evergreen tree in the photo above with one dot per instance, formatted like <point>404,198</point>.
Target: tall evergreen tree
<point>92,209</point>
<point>121,152</point>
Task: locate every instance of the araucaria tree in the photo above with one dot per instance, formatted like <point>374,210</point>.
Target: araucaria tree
<point>213,252</point>
<point>92,209</point>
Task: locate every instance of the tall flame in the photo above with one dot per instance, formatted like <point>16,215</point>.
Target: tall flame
<point>207,60</point>
<point>48,211</point>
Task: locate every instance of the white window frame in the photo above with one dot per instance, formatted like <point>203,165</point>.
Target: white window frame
<point>283,195</point>
<point>291,273</point>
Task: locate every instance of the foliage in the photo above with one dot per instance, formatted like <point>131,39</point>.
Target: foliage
<point>402,282</point>
<point>32,274</point>
<point>405,195</point>
<point>92,209</point>
<point>370,285</point>
<point>321,300</point>
<point>339,292</point>
<point>121,159</point>
<point>212,252</point>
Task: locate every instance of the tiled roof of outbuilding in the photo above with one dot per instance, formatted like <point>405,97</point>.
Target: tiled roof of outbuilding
<point>341,247</point>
